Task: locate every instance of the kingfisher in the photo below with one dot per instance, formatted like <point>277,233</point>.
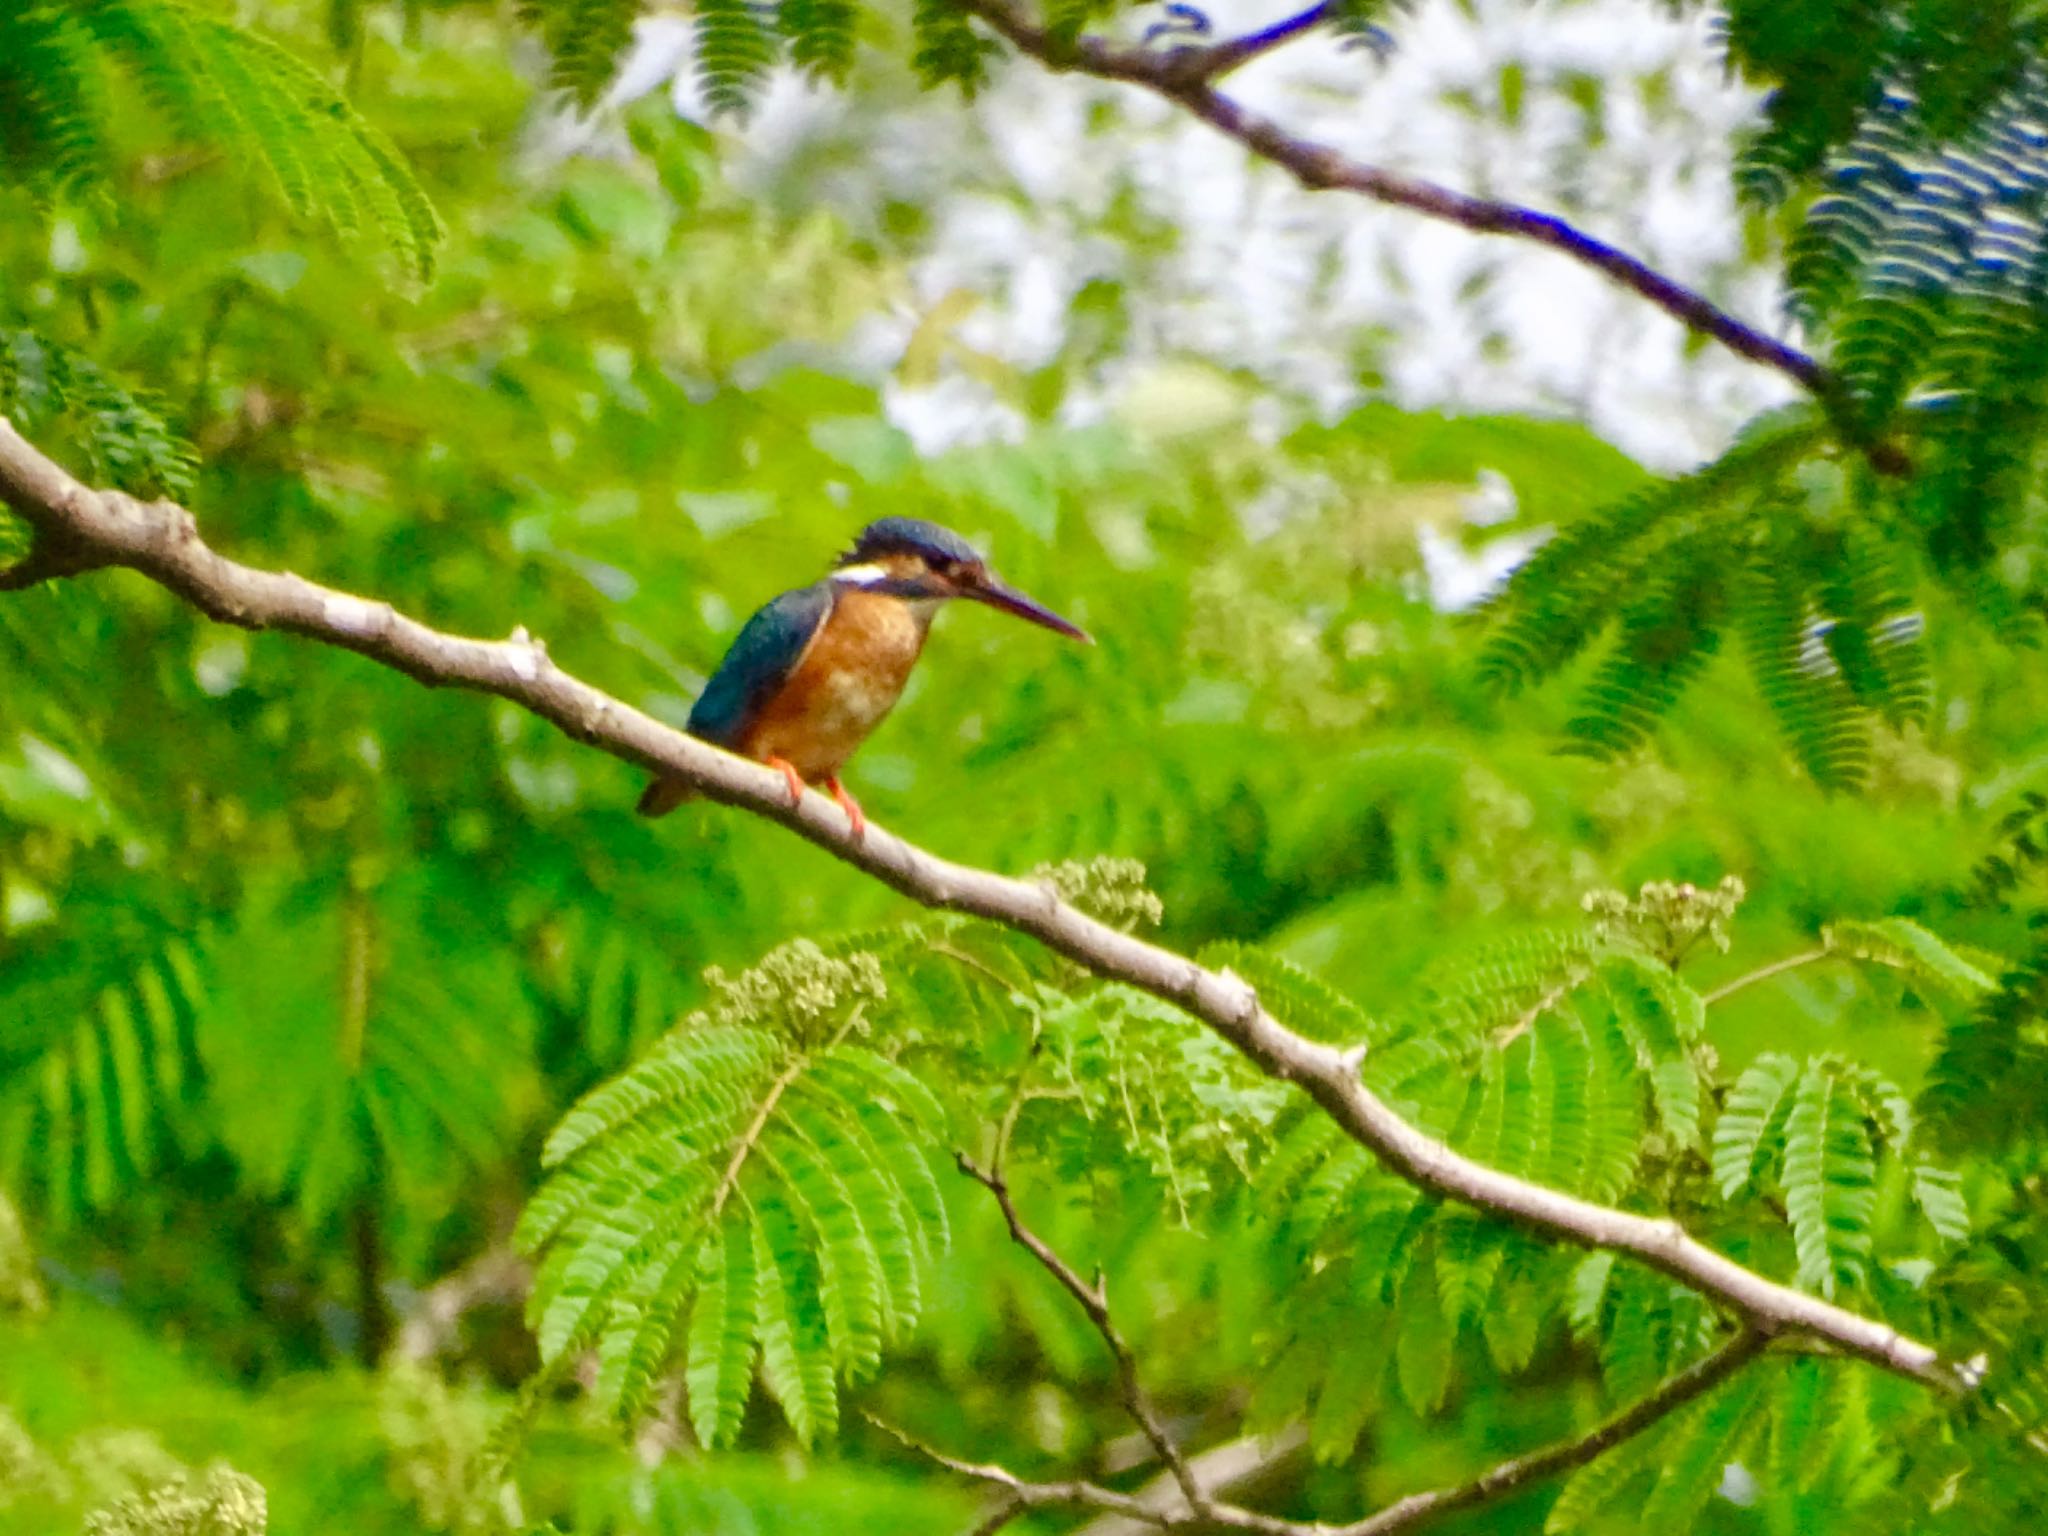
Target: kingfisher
<point>817,669</point>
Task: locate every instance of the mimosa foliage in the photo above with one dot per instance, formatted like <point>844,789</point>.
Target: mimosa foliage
<point>223,91</point>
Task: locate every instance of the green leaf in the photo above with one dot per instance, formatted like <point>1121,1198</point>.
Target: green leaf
<point>734,52</point>
<point>1599,1484</point>
<point>1903,945</point>
<point>798,1186</point>
<point>1514,1313</point>
<point>796,1344</point>
<point>721,1345</point>
<point>1939,1194</point>
<point>1829,1179</point>
<point>1697,1450</point>
<point>1588,1293</point>
<point>1349,1392</point>
<point>587,38</point>
<point>254,104</point>
<point>1422,1346</point>
<point>1752,1120</point>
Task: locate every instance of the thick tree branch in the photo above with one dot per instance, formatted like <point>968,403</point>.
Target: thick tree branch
<point>162,542</point>
<point>1185,77</point>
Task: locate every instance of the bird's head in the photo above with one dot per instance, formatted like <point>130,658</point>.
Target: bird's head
<point>923,563</point>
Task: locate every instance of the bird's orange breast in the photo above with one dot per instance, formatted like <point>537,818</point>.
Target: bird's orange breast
<point>843,686</point>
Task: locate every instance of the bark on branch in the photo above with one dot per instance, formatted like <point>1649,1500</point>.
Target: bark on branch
<point>162,541</point>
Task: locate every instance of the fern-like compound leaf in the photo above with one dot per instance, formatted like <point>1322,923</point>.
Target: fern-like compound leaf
<point>1784,632</point>
<point>948,49</point>
<point>1924,959</point>
<point>1752,1120</point>
<point>795,1338</point>
<point>122,436</point>
<point>1422,1356</point>
<point>585,39</point>
<point>1576,585</point>
<point>256,104</point>
<point>1829,1179</point>
<point>820,34</point>
<point>1939,1194</point>
<point>1513,1317</point>
<point>53,107</point>
<point>1304,1002</point>
<point>1599,1484</point>
<point>778,1197</point>
<point>1468,1260</point>
<point>1698,1448</point>
<point>1984,1088</point>
<point>735,50</point>
<point>721,1345</point>
<point>1663,1017</point>
<point>1355,1364</point>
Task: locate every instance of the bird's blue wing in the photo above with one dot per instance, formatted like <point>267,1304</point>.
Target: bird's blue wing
<point>760,661</point>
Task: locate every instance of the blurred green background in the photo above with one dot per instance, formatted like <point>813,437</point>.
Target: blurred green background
<point>299,961</point>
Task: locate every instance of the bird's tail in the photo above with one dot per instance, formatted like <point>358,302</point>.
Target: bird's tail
<point>663,795</point>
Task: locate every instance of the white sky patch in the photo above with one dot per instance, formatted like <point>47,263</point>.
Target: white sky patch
<point>1046,183</point>
<point>1461,578</point>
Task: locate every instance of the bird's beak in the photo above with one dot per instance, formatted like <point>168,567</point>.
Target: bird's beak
<point>992,589</point>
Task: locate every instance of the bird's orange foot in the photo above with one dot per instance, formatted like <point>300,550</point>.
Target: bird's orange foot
<point>790,777</point>
<point>849,805</point>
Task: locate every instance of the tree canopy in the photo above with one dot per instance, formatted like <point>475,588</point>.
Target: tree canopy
<point>1485,1067</point>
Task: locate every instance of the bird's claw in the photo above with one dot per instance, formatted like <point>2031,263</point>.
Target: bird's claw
<point>790,777</point>
<point>857,823</point>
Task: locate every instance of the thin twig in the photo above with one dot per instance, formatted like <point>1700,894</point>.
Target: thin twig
<point>999,1517</point>
<point>1414,1510</point>
<point>1206,65</point>
<point>162,541</point>
<point>1728,989</point>
<point>1184,76</point>
<point>1094,1300</point>
<point>1025,1494</point>
<point>1222,1466</point>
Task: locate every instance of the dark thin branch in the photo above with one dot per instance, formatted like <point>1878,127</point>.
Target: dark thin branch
<point>1205,65</point>
<point>999,1517</point>
<point>1184,76</point>
<point>1233,1463</point>
<point>162,541</point>
<point>1093,1299</point>
<point>1202,1509</point>
<point>1510,1476</point>
<point>1023,1494</point>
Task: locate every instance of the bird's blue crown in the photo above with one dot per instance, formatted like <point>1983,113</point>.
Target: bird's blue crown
<point>908,536</point>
